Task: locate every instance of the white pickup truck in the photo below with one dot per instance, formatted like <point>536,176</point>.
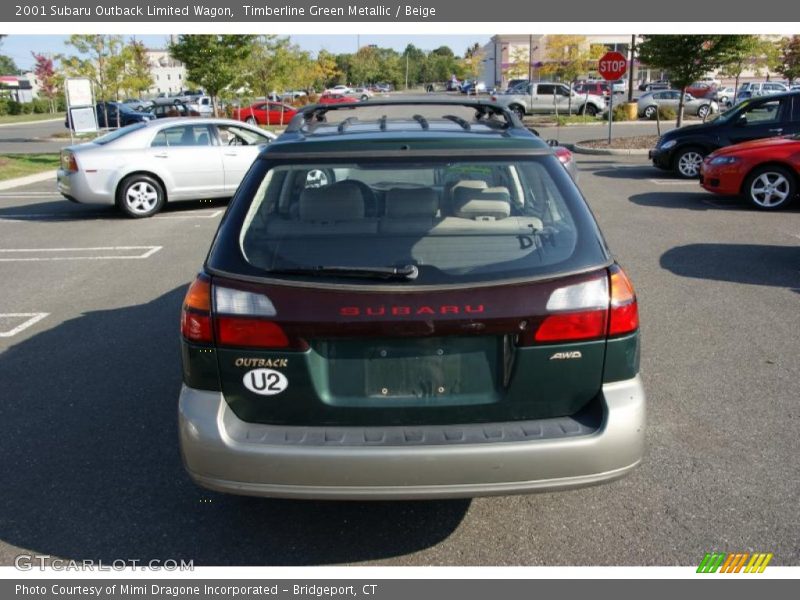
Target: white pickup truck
<point>546,97</point>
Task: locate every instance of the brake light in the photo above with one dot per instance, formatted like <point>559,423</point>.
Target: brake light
<point>241,319</point>
<point>68,161</point>
<point>624,317</point>
<point>563,155</point>
<point>196,312</point>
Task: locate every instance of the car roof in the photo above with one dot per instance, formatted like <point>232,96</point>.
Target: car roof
<point>497,130</point>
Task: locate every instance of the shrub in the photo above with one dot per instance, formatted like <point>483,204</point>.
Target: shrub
<point>667,113</point>
<point>620,113</point>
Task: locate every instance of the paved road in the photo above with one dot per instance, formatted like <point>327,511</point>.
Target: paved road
<point>89,446</point>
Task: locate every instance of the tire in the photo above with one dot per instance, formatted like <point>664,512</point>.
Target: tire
<point>364,98</point>
<point>770,187</point>
<point>687,162</point>
<point>518,110</point>
<point>140,196</point>
<point>704,111</point>
<point>251,121</point>
<point>650,112</point>
<point>589,110</point>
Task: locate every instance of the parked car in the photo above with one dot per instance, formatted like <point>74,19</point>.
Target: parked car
<point>766,172</point>
<point>647,104</point>
<point>545,97</point>
<point>683,150</point>
<point>202,105</point>
<point>115,114</point>
<point>473,88</point>
<point>334,98</point>
<point>340,89</point>
<point>652,86</point>
<point>172,108</point>
<point>453,86</point>
<point>362,93</point>
<point>753,89</point>
<point>141,167</point>
<point>725,96</point>
<point>449,323</point>
<point>265,113</point>
<point>702,89</point>
<point>137,104</point>
<point>619,86</point>
<point>515,83</point>
<point>596,88</point>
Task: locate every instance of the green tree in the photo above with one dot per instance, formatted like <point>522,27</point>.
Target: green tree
<point>686,57</point>
<point>327,71</point>
<point>748,52</point>
<point>98,59</point>
<point>213,61</point>
<point>789,58</point>
<point>136,77</point>
<point>7,64</point>
<point>519,66</point>
<point>471,64</point>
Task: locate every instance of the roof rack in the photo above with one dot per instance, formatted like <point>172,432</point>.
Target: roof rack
<point>488,113</point>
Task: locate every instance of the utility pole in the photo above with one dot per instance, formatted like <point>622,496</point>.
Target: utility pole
<point>530,58</point>
<point>630,74</point>
<point>406,70</point>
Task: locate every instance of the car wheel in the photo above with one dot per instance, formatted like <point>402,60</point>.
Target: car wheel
<point>364,98</point>
<point>650,112</point>
<point>704,111</point>
<point>688,161</point>
<point>140,196</point>
<point>770,188</point>
<point>251,121</point>
<point>589,109</point>
<point>518,110</point>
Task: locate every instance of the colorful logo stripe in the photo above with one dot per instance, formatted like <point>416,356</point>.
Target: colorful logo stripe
<point>734,562</point>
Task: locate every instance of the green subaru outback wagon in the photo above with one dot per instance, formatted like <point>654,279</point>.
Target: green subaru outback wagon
<point>409,300</point>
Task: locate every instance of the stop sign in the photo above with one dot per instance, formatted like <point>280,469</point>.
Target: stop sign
<point>612,66</point>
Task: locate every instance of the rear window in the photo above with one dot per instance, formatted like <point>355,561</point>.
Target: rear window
<point>456,221</point>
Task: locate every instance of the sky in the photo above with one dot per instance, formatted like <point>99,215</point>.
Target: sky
<point>19,47</point>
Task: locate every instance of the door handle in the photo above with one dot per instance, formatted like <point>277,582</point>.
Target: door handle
<point>231,154</point>
<point>160,155</point>
<point>776,130</point>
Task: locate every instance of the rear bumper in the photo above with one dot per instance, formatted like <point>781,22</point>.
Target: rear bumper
<point>223,453</point>
<point>76,187</point>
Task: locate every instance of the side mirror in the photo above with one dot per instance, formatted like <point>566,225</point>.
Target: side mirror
<point>552,143</point>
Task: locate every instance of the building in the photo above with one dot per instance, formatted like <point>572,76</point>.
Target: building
<point>502,55</point>
<point>16,88</point>
<point>169,75</point>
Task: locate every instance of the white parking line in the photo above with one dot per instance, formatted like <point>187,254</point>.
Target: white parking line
<point>674,182</point>
<point>148,252</point>
<point>77,216</point>
<point>33,318</point>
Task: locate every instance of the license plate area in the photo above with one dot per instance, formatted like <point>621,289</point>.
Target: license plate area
<point>414,372</point>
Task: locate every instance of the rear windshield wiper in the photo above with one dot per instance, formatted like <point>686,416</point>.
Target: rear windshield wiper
<point>406,272</point>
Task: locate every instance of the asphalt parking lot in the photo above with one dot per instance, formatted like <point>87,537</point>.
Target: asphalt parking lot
<point>90,375</point>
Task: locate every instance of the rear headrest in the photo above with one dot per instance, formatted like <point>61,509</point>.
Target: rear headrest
<point>402,203</point>
<point>341,201</point>
<point>463,190</point>
<point>489,203</point>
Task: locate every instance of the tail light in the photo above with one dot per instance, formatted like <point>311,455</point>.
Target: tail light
<point>196,312</point>
<point>242,319</point>
<point>68,161</point>
<point>494,98</point>
<point>624,313</point>
<point>593,309</point>
<point>564,155</point>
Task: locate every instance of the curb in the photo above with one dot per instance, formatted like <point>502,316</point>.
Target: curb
<point>577,149</point>
<point>9,184</point>
<point>31,122</point>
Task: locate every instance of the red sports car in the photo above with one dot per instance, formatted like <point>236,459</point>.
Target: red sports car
<point>765,171</point>
<point>335,98</point>
<point>265,113</point>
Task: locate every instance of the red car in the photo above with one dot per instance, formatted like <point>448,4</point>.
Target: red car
<point>764,171</point>
<point>265,113</point>
<point>700,89</point>
<point>598,88</point>
<point>334,98</point>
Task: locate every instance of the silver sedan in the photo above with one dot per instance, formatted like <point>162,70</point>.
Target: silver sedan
<point>648,104</point>
<point>140,167</point>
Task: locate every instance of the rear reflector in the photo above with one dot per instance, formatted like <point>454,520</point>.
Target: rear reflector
<point>196,312</point>
<point>624,316</point>
<point>572,326</point>
<point>250,333</point>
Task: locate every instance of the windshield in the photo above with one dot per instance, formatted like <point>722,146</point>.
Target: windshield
<point>447,221</point>
<point>110,137</point>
